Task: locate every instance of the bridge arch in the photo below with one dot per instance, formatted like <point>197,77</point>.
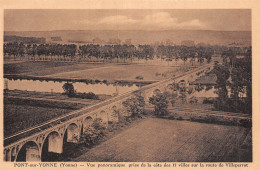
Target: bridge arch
<point>86,123</point>
<point>72,133</point>
<point>156,91</point>
<point>114,114</point>
<point>52,146</point>
<point>114,107</point>
<point>29,152</point>
<point>103,115</point>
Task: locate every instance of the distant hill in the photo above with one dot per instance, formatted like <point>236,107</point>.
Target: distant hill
<point>30,40</point>
<point>144,37</point>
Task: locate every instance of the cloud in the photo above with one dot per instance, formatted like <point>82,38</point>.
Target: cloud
<point>117,20</point>
<point>193,23</point>
<point>155,21</point>
<point>164,20</point>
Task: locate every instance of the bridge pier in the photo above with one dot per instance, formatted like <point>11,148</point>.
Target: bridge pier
<point>8,155</point>
<point>29,152</point>
<point>55,143</point>
<point>114,114</point>
<point>104,118</point>
<point>32,154</point>
<point>73,133</point>
<point>4,157</point>
<point>13,154</point>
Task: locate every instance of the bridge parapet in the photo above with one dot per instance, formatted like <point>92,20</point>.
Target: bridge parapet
<point>69,126</point>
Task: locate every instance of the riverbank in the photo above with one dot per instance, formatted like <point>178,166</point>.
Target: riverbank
<point>87,81</point>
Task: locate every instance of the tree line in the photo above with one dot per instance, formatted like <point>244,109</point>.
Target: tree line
<point>108,53</point>
<point>20,50</point>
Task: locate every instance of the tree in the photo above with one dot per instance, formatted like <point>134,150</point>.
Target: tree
<point>192,55</point>
<point>135,105</point>
<point>239,70</point>
<point>68,89</point>
<point>160,102</point>
<point>222,73</point>
<point>208,55</point>
<point>201,55</point>
<point>146,52</point>
<point>241,83</point>
<point>184,53</point>
<point>13,47</point>
<point>21,50</point>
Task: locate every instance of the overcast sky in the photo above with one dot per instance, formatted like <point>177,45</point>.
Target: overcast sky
<point>46,20</point>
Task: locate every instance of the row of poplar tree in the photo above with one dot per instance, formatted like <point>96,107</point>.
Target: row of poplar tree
<point>107,53</point>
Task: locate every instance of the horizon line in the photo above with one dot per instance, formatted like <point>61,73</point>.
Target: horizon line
<point>127,30</point>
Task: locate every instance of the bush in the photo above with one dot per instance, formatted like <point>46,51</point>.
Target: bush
<point>157,74</point>
<point>93,133</point>
<point>89,95</point>
<point>160,102</point>
<point>183,97</point>
<point>190,90</point>
<point>179,118</point>
<point>208,101</point>
<point>193,100</point>
<point>113,126</point>
<point>135,105</point>
<point>210,119</point>
<point>208,87</point>
<point>246,122</point>
<point>139,77</point>
<point>171,117</point>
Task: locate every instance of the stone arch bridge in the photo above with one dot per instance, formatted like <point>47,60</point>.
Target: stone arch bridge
<point>31,144</point>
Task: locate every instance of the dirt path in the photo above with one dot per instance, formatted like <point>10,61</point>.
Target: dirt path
<point>161,140</point>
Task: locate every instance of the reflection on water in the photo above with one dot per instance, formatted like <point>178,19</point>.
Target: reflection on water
<point>51,86</point>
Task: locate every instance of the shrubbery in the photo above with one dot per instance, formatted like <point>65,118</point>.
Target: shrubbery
<point>135,105</point>
<point>89,95</point>
<point>94,132</point>
<point>160,102</point>
<point>139,77</point>
<point>208,101</point>
<point>193,100</point>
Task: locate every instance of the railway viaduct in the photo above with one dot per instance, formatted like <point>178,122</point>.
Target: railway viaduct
<point>50,136</point>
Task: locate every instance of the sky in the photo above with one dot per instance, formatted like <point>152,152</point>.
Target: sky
<point>127,19</point>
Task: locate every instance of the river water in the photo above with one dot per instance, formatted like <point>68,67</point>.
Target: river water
<point>97,88</point>
<point>51,86</point>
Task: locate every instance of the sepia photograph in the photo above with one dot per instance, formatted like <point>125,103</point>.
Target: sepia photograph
<point>127,85</point>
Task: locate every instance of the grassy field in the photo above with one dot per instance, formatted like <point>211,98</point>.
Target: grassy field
<point>103,71</point>
<point>53,96</point>
<point>20,117</point>
<point>30,66</point>
<point>121,72</point>
<point>161,140</point>
<point>42,68</point>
